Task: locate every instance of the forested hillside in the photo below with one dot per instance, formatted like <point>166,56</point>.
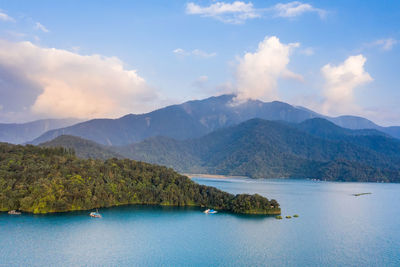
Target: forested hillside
<point>42,180</point>
<point>259,148</point>
<point>83,148</point>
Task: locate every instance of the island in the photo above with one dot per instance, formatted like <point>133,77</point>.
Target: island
<point>43,180</point>
<point>361,194</point>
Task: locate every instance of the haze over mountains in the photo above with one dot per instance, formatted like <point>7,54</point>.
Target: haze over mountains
<point>196,118</point>
<point>18,133</point>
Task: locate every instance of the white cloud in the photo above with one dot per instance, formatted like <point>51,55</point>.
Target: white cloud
<point>258,73</point>
<point>180,52</point>
<point>41,27</point>
<point>309,51</point>
<point>385,44</point>
<point>5,17</point>
<point>200,82</point>
<point>340,83</point>
<point>236,12</point>
<point>287,74</point>
<point>200,53</point>
<point>60,83</point>
<point>294,9</point>
<point>17,35</point>
<point>75,49</point>
<point>195,52</point>
<point>203,79</point>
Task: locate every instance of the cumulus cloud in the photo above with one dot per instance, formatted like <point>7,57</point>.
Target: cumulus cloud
<point>49,82</point>
<point>340,84</point>
<point>40,27</point>
<point>236,12</point>
<point>5,17</point>
<point>195,52</point>
<point>258,73</point>
<point>294,9</point>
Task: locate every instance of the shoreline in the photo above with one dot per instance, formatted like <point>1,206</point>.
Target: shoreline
<point>213,176</point>
<point>270,212</point>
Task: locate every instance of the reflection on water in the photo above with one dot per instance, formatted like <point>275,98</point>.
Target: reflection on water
<point>334,228</point>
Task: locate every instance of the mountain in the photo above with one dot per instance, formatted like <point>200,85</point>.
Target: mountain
<point>196,118</point>
<point>354,122</point>
<point>19,133</point>
<point>367,138</point>
<point>188,120</point>
<point>42,180</point>
<point>327,129</point>
<point>82,147</point>
<point>392,130</point>
<point>315,148</point>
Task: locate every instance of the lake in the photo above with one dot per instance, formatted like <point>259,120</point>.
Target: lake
<point>335,228</point>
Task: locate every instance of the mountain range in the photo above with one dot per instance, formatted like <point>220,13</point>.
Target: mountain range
<point>315,148</point>
<point>196,118</point>
<point>19,133</point>
<point>218,135</point>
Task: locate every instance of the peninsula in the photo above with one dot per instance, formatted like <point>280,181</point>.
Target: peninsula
<point>43,180</point>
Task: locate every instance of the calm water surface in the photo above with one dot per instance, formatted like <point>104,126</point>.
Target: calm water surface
<point>334,229</point>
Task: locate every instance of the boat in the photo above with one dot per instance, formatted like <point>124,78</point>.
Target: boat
<point>95,214</point>
<point>14,212</point>
<point>210,211</point>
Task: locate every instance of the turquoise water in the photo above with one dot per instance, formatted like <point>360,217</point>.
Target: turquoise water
<point>334,229</point>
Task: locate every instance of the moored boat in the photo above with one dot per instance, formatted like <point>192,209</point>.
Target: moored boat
<point>210,211</point>
<point>14,212</point>
<point>95,214</point>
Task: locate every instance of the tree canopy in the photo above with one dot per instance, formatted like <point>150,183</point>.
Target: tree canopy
<point>41,180</point>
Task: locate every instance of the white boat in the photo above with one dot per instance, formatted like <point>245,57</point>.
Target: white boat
<point>95,214</point>
<point>14,212</point>
<point>210,211</point>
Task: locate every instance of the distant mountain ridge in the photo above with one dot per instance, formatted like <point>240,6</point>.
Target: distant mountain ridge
<point>196,118</point>
<point>83,148</point>
<point>315,148</point>
<point>327,129</point>
<point>19,133</point>
<point>273,149</point>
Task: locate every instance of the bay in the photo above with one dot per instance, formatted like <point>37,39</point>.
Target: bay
<point>334,228</point>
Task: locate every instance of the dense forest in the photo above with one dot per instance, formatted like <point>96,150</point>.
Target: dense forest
<point>41,180</point>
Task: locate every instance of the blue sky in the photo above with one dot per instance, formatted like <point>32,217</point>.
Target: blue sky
<point>184,50</point>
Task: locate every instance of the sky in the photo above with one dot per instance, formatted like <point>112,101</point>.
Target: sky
<point>92,59</point>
